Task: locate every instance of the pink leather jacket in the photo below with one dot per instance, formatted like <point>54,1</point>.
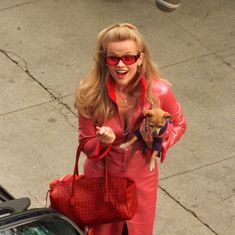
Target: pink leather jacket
<point>167,102</point>
<point>132,162</point>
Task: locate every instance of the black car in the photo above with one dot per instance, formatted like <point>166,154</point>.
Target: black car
<point>17,219</point>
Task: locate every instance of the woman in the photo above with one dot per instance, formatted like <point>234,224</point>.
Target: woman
<point>110,101</point>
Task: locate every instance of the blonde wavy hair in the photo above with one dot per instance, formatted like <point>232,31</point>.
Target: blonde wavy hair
<point>92,100</point>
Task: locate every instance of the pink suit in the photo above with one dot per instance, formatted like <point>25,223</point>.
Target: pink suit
<point>132,162</point>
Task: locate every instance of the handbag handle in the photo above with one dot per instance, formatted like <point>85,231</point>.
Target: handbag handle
<point>79,150</point>
<point>76,169</point>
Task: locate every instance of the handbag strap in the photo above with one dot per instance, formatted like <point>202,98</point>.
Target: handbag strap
<point>79,150</point>
<point>76,168</point>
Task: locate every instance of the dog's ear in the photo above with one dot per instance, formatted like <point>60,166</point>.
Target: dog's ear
<point>147,113</point>
<point>167,115</point>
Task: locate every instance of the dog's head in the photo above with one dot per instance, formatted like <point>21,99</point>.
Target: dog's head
<point>156,119</point>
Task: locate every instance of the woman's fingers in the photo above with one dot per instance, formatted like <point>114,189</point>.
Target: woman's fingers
<point>105,134</point>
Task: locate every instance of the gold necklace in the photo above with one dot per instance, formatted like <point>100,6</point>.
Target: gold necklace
<point>127,101</point>
<point>122,97</point>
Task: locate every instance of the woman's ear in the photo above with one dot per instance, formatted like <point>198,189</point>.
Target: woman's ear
<point>167,115</point>
<point>147,113</point>
<point>141,58</point>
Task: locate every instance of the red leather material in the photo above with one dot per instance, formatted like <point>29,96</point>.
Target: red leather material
<point>169,104</point>
<point>86,208</point>
<point>132,162</point>
<point>96,200</point>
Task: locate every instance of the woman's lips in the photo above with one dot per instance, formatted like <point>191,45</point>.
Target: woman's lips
<point>121,74</point>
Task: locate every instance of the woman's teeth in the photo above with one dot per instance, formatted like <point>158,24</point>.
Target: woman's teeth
<point>121,72</point>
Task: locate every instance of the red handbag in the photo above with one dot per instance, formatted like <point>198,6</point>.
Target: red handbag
<point>93,201</point>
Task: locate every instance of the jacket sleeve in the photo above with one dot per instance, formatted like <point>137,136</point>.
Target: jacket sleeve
<point>178,123</point>
<point>93,148</point>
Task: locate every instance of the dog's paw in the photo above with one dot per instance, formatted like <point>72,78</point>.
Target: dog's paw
<point>152,164</point>
<point>124,146</point>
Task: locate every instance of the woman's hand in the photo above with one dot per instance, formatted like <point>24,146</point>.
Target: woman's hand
<point>105,134</point>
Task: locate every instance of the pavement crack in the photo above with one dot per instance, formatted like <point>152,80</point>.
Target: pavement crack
<point>210,51</point>
<point>25,108</point>
<point>192,152</point>
<point>186,60</point>
<point>226,198</point>
<point>197,168</point>
<point>225,62</point>
<point>18,5</point>
<point>22,64</point>
<point>202,19</point>
<point>18,60</point>
<point>65,113</point>
<point>193,213</point>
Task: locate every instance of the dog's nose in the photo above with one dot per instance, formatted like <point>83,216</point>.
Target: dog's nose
<point>155,132</point>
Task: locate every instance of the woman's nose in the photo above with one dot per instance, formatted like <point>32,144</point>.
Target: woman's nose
<point>120,63</point>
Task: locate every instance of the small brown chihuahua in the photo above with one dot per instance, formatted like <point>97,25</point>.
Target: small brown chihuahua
<point>156,121</point>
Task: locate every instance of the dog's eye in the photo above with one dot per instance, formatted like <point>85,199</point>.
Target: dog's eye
<point>151,125</point>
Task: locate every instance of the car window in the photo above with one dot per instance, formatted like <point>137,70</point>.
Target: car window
<point>47,227</point>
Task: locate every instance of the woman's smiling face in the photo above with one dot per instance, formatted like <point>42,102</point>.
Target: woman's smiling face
<point>122,73</point>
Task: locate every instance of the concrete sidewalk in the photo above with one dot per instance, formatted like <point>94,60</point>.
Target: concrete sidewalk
<point>46,46</point>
